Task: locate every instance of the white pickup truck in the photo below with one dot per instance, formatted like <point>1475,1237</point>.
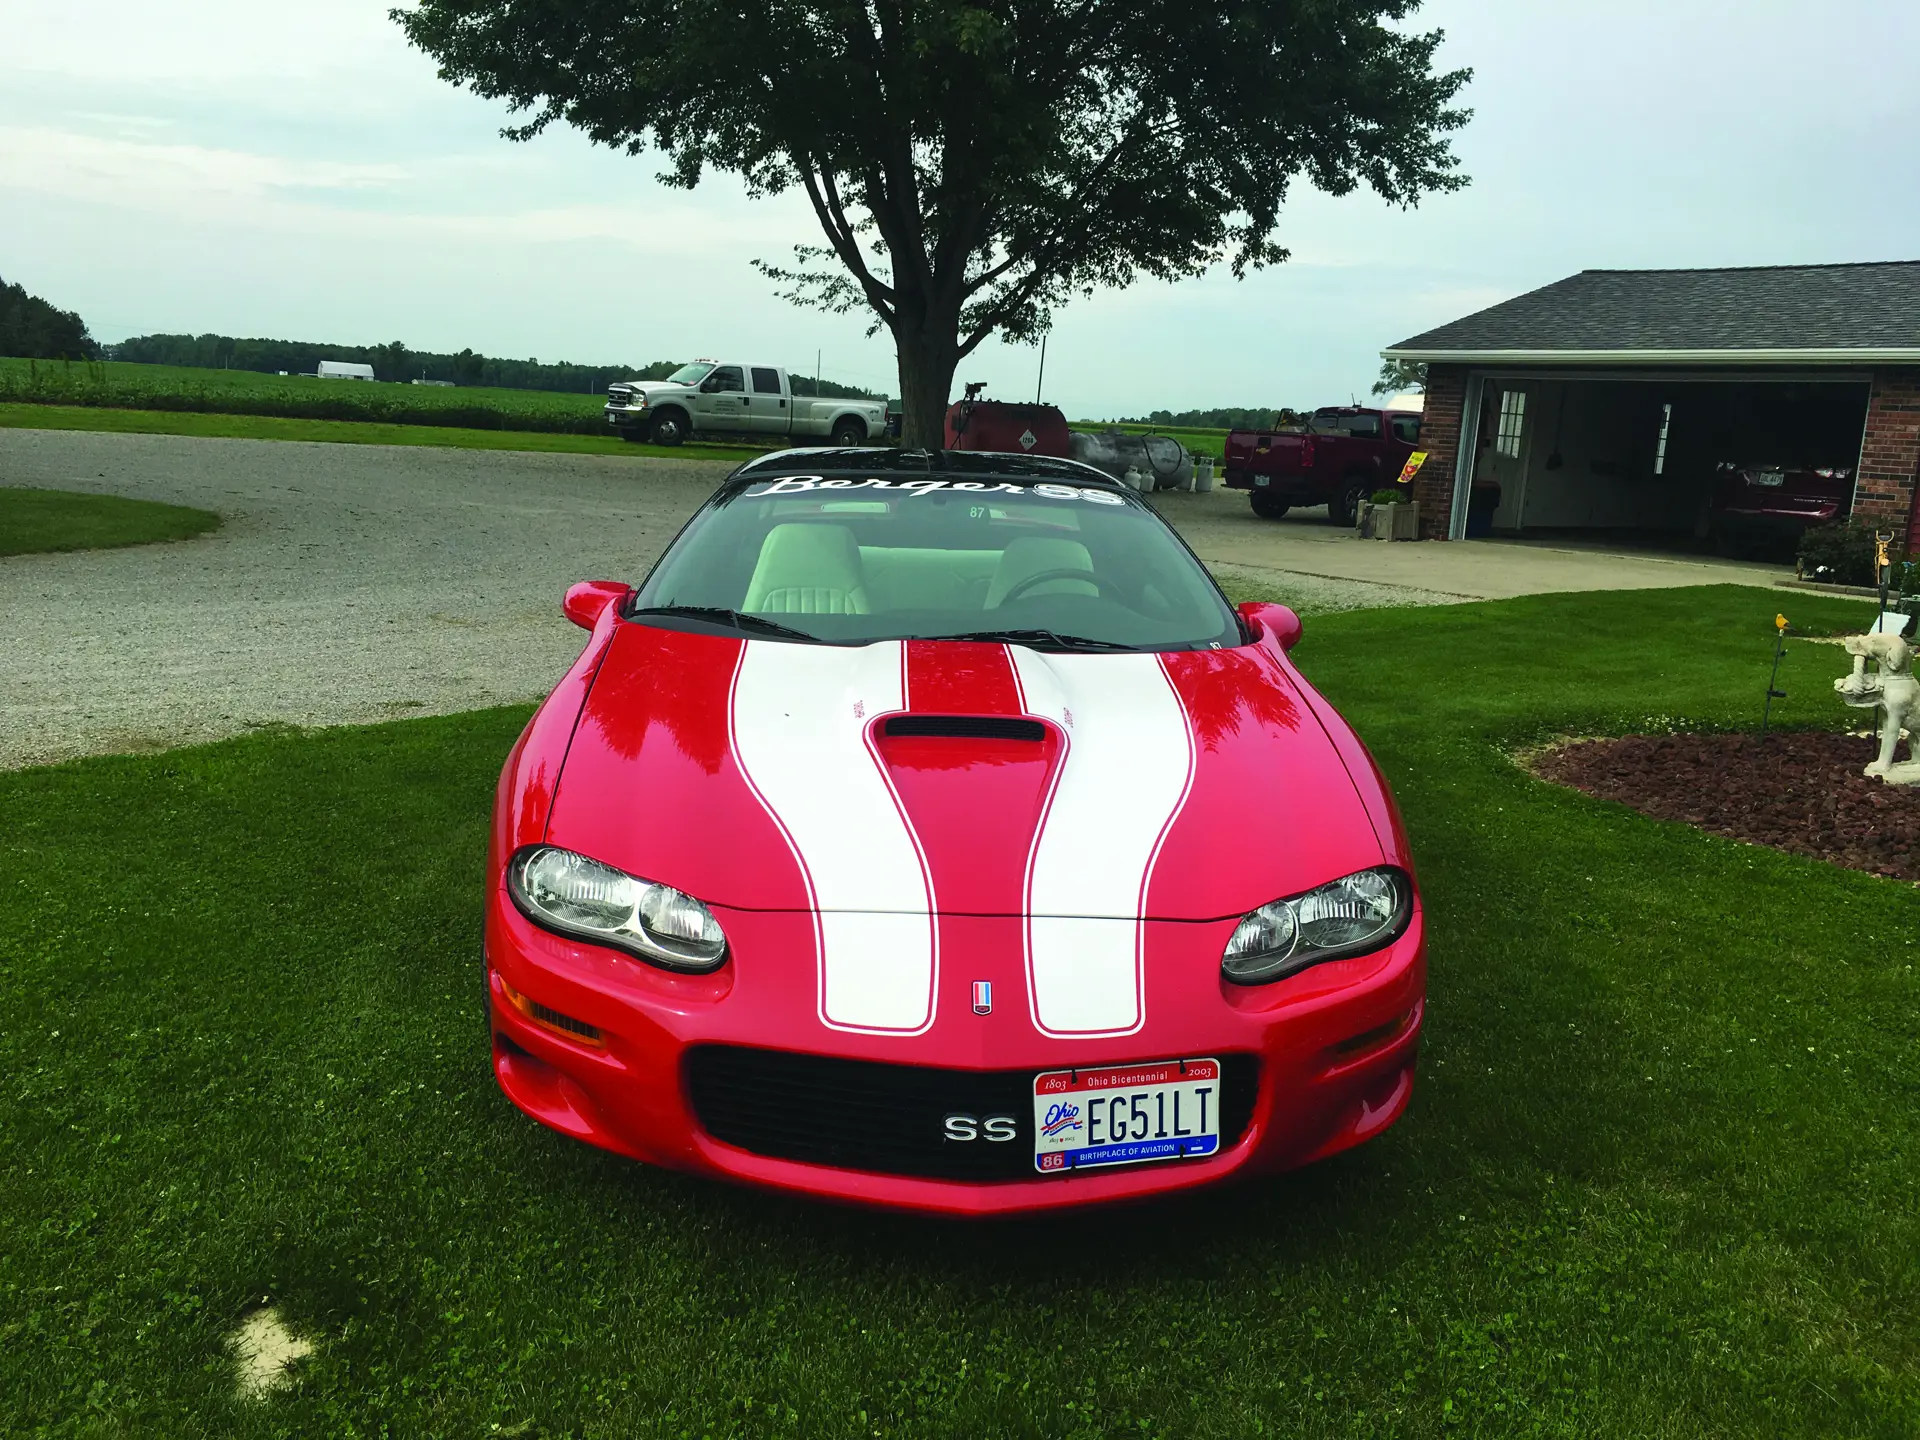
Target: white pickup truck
<point>715,398</point>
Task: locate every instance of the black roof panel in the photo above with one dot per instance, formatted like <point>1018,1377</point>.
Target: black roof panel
<point>966,464</point>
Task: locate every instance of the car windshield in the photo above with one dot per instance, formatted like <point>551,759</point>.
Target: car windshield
<point>1334,422</point>
<point>849,559</point>
<point>690,374</point>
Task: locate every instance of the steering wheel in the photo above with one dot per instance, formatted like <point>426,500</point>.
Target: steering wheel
<point>1040,577</point>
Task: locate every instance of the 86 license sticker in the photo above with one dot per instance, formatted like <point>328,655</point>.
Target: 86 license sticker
<point>1126,1115</point>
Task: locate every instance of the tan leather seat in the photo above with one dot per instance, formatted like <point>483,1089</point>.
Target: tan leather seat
<point>1030,555</point>
<point>807,569</point>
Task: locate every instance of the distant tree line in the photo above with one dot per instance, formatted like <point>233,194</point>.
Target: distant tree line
<point>1225,418</point>
<point>32,329</point>
<point>395,362</point>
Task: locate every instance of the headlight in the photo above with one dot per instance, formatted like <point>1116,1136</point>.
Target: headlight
<point>1352,916</point>
<point>575,896</point>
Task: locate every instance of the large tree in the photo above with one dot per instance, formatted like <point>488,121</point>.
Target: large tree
<point>1399,377</point>
<point>34,329</point>
<point>972,165</point>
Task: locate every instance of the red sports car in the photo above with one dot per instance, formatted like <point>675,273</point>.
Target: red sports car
<point>928,831</point>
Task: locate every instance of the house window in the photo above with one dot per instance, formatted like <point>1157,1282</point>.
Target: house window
<point>1660,449</point>
<point>1513,419</point>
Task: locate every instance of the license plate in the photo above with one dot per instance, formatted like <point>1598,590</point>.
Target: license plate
<point>1769,477</point>
<point>1126,1114</point>
<point>1260,479</point>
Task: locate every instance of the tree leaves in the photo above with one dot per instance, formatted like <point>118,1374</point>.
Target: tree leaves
<point>974,165</point>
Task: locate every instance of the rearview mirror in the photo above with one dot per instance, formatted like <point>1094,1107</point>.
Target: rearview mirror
<point>586,602</point>
<point>1266,618</point>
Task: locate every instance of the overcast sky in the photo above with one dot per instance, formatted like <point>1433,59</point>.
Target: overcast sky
<point>292,169</point>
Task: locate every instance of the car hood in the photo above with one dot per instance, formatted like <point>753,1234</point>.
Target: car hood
<point>656,387</point>
<point>917,777</point>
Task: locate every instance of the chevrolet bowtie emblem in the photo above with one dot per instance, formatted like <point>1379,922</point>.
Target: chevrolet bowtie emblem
<point>983,997</point>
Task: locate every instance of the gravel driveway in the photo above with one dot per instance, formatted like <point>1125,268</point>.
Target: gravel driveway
<point>349,584</point>
<point>354,583</point>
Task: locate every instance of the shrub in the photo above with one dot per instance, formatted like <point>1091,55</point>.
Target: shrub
<point>1389,497</point>
<point>1839,554</point>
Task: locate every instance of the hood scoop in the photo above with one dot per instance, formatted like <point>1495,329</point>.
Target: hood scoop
<point>965,727</point>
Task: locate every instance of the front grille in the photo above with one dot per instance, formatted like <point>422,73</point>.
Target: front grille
<point>967,727</point>
<point>890,1119</point>
<point>619,395</point>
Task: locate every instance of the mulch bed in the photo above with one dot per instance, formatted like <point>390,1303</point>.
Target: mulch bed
<point>1802,793</point>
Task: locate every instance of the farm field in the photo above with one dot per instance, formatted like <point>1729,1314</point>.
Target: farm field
<point>1200,442</point>
<point>346,432</point>
<point>152,390</point>
<point>1657,1179</point>
<point>118,385</point>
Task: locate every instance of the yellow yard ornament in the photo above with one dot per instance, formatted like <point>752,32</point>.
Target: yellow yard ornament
<point>1779,622</point>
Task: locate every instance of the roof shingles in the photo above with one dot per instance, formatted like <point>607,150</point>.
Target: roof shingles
<point>1775,308</point>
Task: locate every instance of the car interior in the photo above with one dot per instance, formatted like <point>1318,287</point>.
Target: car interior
<point>930,565</point>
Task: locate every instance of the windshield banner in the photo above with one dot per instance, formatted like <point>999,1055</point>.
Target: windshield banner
<point>799,484</point>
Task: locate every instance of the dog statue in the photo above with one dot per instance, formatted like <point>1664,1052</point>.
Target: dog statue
<point>1893,691</point>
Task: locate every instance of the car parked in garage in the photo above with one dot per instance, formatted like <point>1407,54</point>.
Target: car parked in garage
<point>710,397</point>
<point>1768,505</point>
<point>1337,459</point>
<point>890,843</point>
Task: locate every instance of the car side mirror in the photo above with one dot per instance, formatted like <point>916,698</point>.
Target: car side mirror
<point>1279,621</point>
<point>586,602</point>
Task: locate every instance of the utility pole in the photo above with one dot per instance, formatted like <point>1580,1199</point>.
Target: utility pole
<point>1041,380</point>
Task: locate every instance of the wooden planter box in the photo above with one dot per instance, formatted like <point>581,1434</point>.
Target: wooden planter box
<point>1389,522</point>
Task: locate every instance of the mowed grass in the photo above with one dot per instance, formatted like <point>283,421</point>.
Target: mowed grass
<point>345,432</point>
<point>1658,1179</point>
<point>36,521</point>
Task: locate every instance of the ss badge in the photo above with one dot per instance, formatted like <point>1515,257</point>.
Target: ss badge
<point>970,1127</point>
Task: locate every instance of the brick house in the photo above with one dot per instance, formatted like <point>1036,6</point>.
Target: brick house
<point>1603,402</point>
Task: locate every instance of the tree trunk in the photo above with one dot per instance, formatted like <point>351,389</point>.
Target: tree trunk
<point>927,359</point>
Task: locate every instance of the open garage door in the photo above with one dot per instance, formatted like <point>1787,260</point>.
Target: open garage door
<point>1647,458</point>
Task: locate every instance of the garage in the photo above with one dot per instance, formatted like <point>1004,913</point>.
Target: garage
<point>1637,459</point>
<point>1677,408</point>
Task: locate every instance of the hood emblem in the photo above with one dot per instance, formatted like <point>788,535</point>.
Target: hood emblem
<point>983,997</point>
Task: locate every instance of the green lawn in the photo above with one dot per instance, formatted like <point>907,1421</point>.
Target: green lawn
<point>33,521</point>
<point>344,432</point>
<point>1659,1179</point>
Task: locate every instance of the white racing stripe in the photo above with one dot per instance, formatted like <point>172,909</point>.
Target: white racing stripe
<point>1125,776</point>
<point>799,718</point>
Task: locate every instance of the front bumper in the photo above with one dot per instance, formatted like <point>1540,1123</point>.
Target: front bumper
<point>1295,489</point>
<point>1786,512</point>
<point>1334,1048</point>
<point>624,417</point>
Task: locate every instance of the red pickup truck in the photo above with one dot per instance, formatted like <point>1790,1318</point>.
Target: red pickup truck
<point>1337,459</point>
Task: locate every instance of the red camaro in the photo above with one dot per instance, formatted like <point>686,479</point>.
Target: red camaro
<point>928,831</point>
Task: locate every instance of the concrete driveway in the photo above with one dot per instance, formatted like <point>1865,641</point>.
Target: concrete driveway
<point>1225,533</point>
<point>354,583</point>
